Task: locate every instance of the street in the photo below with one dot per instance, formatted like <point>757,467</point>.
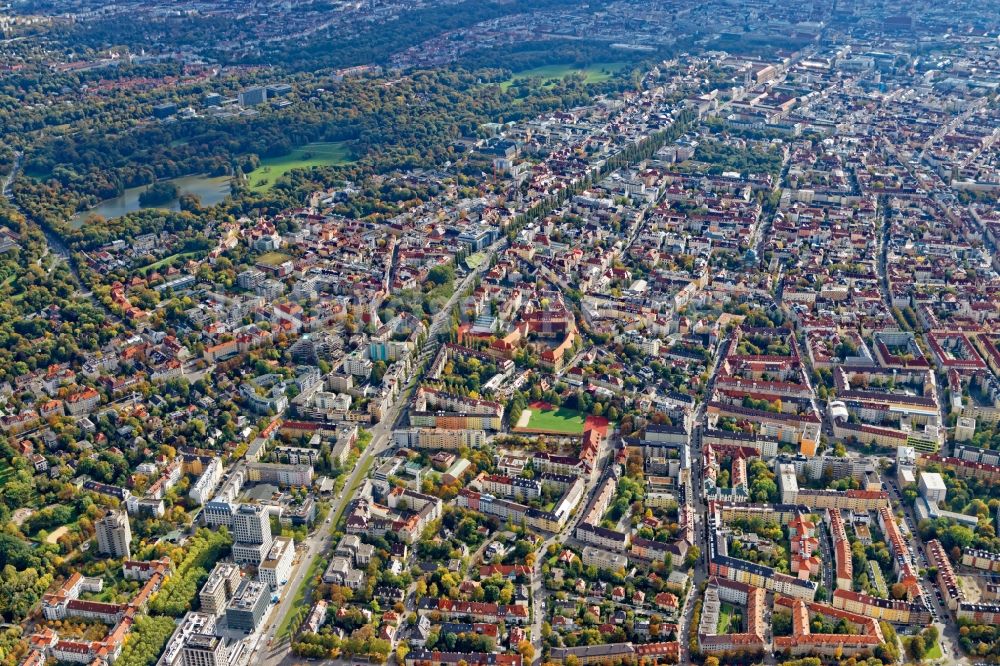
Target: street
<point>278,651</point>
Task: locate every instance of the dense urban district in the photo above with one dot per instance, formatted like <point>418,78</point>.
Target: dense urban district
<point>474,333</point>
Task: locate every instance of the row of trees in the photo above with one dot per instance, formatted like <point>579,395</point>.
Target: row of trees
<point>325,645</point>
<point>177,595</point>
<point>146,641</point>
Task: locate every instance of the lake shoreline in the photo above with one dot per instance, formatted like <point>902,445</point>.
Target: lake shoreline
<point>210,190</point>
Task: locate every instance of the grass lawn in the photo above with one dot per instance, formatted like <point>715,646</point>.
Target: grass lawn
<point>878,580</point>
<point>725,615</point>
<point>473,261</point>
<point>166,261</point>
<point>595,73</point>
<point>273,258</point>
<point>6,473</point>
<point>563,420</point>
<point>308,156</point>
<point>350,491</point>
<point>934,652</point>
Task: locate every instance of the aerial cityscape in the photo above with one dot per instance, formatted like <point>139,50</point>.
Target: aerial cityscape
<point>499,332</point>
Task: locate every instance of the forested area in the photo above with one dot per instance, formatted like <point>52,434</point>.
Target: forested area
<point>409,122</point>
<point>374,43</point>
<point>369,42</point>
<point>42,321</point>
<point>30,562</point>
<point>749,159</point>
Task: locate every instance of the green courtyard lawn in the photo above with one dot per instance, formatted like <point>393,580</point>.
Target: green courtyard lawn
<point>598,72</point>
<point>308,156</point>
<point>730,619</point>
<point>725,615</point>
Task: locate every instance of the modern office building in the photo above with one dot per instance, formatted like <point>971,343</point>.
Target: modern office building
<point>277,567</point>
<point>932,487</point>
<point>218,513</point>
<point>246,609</point>
<point>192,623</point>
<point>164,110</point>
<point>220,587</point>
<point>251,524</point>
<point>204,650</point>
<point>251,534</point>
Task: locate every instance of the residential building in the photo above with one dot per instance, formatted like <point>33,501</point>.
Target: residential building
<point>603,559</point>
<point>114,534</point>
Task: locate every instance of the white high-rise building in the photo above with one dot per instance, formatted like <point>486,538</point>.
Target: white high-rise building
<point>932,487</point>
<point>114,534</point>
<point>788,483</point>
<point>276,569</point>
<point>251,524</point>
<point>202,489</point>
<point>251,534</point>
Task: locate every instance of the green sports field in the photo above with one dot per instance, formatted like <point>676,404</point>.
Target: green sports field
<point>561,420</point>
<point>172,259</point>
<point>474,260</point>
